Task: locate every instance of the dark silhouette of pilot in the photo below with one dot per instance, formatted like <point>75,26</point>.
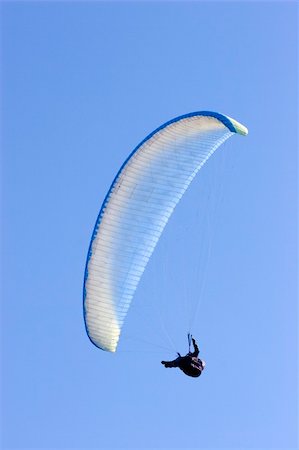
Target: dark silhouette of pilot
<point>190,364</point>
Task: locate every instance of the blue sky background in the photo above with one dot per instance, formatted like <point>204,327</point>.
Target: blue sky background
<point>82,85</point>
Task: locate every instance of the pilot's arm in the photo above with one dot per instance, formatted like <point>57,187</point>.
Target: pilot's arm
<point>196,349</point>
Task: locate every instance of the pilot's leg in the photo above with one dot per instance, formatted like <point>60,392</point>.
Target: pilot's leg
<point>173,363</point>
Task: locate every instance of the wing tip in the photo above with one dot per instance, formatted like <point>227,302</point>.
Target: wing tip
<point>110,345</point>
<point>239,128</point>
<point>231,124</point>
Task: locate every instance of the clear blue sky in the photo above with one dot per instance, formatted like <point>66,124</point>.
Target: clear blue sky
<point>82,85</point>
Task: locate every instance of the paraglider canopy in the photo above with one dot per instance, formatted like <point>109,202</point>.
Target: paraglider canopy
<point>135,211</point>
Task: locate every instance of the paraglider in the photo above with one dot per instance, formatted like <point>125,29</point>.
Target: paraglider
<point>135,211</point>
<point>190,364</point>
